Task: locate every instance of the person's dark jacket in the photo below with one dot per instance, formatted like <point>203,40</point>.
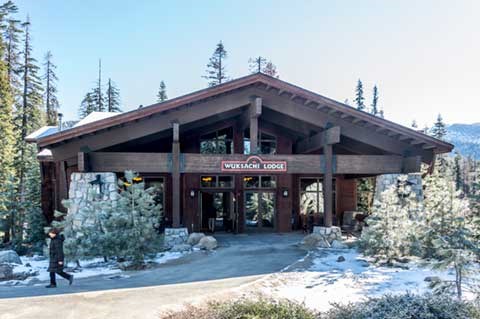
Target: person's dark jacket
<point>56,254</point>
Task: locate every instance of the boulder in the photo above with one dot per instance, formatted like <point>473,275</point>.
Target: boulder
<point>315,240</point>
<point>363,263</point>
<point>433,279</point>
<point>9,257</point>
<point>207,242</point>
<point>194,238</point>
<point>6,272</point>
<point>336,244</point>
<point>181,248</point>
<point>340,259</point>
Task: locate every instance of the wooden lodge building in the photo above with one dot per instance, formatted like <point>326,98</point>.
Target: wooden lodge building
<point>257,149</point>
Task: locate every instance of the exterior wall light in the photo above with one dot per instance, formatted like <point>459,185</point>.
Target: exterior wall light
<point>285,192</point>
<point>97,182</point>
<point>192,193</point>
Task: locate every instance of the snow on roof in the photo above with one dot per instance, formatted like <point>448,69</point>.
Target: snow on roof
<point>44,153</point>
<point>49,130</point>
<point>95,116</point>
<point>41,132</point>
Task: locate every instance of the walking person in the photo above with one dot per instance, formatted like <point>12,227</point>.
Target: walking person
<point>212,214</point>
<point>56,258</point>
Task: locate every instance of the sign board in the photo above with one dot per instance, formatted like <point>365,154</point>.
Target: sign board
<point>254,164</point>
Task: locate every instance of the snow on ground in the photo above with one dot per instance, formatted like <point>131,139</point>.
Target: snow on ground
<point>89,268</point>
<point>319,280</point>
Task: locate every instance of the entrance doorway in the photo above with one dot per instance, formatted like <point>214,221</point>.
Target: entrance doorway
<point>220,206</point>
<point>259,211</point>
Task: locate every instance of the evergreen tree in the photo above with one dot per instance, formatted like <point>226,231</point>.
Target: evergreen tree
<point>256,65</point>
<point>391,232</point>
<point>457,172</point>
<point>414,125</point>
<point>216,73</point>
<point>271,70</point>
<point>162,92</point>
<point>50,94</point>
<point>131,226</point>
<point>12,31</point>
<point>375,101</point>
<point>29,117</point>
<point>7,149</point>
<point>87,106</point>
<point>439,129</point>
<point>359,99</point>
<point>113,97</point>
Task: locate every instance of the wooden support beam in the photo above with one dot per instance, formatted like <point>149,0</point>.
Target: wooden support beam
<point>212,163</point>
<point>329,136</point>
<point>82,162</point>
<point>327,186</point>
<point>255,112</point>
<point>176,175</point>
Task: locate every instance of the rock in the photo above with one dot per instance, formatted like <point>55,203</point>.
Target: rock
<point>181,248</point>
<point>340,259</point>
<point>363,263</point>
<point>194,238</point>
<point>336,244</point>
<point>315,240</point>
<point>432,279</point>
<point>207,242</point>
<point>6,272</point>
<point>9,257</point>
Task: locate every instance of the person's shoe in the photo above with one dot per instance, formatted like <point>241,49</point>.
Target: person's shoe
<point>70,281</point>
<point>51,286</point>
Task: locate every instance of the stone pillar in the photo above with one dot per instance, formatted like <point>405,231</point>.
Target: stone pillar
<point>384,182</point>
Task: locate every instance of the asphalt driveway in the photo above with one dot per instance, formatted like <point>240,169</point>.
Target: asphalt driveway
<point>240,259</point>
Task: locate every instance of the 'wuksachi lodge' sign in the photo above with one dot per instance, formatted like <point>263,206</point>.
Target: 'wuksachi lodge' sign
<point>254,164</point>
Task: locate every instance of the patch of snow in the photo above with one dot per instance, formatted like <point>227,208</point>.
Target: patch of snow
<point>162,258</point>
<point>41,132</point>
<point>95,116</point>
<point>325,281</point>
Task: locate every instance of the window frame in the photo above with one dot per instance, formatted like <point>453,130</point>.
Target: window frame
<point>217,139</point>
<point>319,194</point>
<point>273,177</point>
<point>217,177</point>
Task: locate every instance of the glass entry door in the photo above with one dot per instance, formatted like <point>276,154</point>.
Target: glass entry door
<point>259,210</point>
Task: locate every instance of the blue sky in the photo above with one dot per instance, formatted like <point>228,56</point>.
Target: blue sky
<point>423,55</point>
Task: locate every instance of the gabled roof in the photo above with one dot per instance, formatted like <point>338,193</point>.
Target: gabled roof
<point>382,126</point>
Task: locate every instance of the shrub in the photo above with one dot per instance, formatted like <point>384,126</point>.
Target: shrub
<point>260,308</point>
<point>406,306</point>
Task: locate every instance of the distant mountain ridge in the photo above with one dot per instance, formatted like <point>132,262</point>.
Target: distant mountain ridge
<point>466,138</point>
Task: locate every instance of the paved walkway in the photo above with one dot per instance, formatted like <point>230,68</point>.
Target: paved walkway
<point>239,260</point>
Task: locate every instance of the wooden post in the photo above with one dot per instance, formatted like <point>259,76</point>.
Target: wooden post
<point>255,112</point>
<point>176,175</point>
<point>327,186</point>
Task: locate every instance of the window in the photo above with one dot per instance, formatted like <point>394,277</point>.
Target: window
<point>214,181</point>
<point>259,181</point>
<point>267,143</point>
<point>218,142</point>
<point>311,195</point>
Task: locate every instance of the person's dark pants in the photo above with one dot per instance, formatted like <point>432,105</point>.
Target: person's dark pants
<point>61,273</point>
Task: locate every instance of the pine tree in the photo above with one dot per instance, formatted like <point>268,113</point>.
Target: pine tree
<point>7,148</point>
<point>359,99</point>
<point>439,129</point>
<point>271,70</point>
<point>414,124</point>
<point>87,106</point>
<point>113,97</point>
<point>374,110</point>
<point>456,245</point>
<point>12,31</point>
<point>94,100</point>
<point>29,117</point>
<point>162,92</point>
<point>256,65</point>
<point>216,73</point>
<point>457,172</point>
<point>131,226</point>
<point>391,233</point>
<point>50,94</point>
